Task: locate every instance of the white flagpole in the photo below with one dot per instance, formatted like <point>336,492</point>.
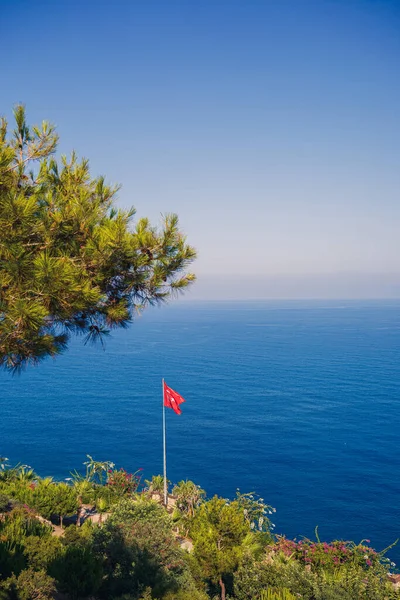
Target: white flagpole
<point>164,448</point>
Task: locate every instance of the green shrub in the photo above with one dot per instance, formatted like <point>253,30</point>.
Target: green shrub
<point>35,585</point>
<point>78,572</point>
<point>253,576</point>
<point>20,523</point>
<point>29,585</point>
<point>186,595</point>
<point>50,498</point>
<point>4,502</point>
<point>118,561</point>
<point>146,595</point>
<point>353,582</point>
<point>140,550</point>
<point>277,594</point>
<point>78,536</point>
<point>129,512</point>
<point>41,551</point>
<point>12,559</point>
<point>17,490</point>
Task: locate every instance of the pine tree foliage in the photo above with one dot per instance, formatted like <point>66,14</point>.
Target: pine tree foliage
<point>70,261</point>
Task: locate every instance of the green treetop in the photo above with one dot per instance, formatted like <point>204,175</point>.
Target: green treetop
<point>70,262</point>
<point>219,532</point>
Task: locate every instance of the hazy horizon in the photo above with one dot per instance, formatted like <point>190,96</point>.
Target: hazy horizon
<point>271,128</point>
<point>339,286</point>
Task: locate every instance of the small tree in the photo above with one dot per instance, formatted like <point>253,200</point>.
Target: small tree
<point>139,549</point>
<point>65,501</point>
<point>43,497</point>
<point>50,498</point>
<point>188,496</point>
<point>218,531</point>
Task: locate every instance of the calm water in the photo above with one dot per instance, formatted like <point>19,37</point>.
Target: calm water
<point>298,401</point>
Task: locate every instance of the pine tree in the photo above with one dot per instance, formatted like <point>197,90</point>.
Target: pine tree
<point>219,531</point>
<point>70,261</point>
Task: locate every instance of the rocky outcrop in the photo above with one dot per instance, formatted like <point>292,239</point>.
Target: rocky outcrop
<point>395,580</point>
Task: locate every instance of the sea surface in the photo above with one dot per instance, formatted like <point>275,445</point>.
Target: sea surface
<point>296,401</point>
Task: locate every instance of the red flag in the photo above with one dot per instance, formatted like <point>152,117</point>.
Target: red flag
<point>172,399</point>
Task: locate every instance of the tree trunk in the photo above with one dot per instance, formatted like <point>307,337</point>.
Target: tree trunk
<point>78,516</point>
<point>61,521</point>
<point>221,583</point>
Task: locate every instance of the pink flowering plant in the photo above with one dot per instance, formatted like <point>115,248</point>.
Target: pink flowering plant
<point>121,483</point>
<point>328,556</point>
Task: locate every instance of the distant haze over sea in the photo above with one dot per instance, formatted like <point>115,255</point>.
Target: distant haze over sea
<point>296,286</point>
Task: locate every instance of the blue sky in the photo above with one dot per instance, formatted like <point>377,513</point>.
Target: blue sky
<point>270,127</point>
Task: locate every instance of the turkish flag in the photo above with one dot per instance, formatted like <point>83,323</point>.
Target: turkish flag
<point>172,399</point>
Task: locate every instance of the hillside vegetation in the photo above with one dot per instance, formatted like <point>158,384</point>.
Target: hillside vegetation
<point>104,534</point>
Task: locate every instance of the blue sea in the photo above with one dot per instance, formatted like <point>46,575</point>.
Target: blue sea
<point>298,401</point>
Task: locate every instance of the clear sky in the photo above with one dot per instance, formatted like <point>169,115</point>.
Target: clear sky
<point>271,127</point>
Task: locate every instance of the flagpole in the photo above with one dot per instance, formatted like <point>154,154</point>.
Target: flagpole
<point>164,447</point>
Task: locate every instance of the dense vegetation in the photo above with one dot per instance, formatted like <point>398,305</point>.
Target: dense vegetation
<point>120,542</point>
<point>69,260</point>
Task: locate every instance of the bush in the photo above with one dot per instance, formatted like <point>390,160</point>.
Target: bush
<point>327,556</point>
<point>352,582</point>
<point>41,551</point>
<point>78,536</point>
<point>51,498</point>
<point>139,550</point>
<point>20,523</point>
<point>118,561</point>
<point>121,483</point>
<point>253,576</point>
<point>186,595</point>
<point>29,585</point>
<point>12,559</point>
<point>35,585</point>
<point>4,503</point>
<point>277,594</point>
<point>78,572</point>
<point>129,512</point>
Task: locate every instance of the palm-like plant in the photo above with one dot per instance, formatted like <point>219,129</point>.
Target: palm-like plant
<point>96,471</point>
<point>20,474</point>
<point>188,496</point>
<point>155,486</point>
<point>3,463</point>
<point>101,507</point>
<point>84,493</point>
<point>25,473</point>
